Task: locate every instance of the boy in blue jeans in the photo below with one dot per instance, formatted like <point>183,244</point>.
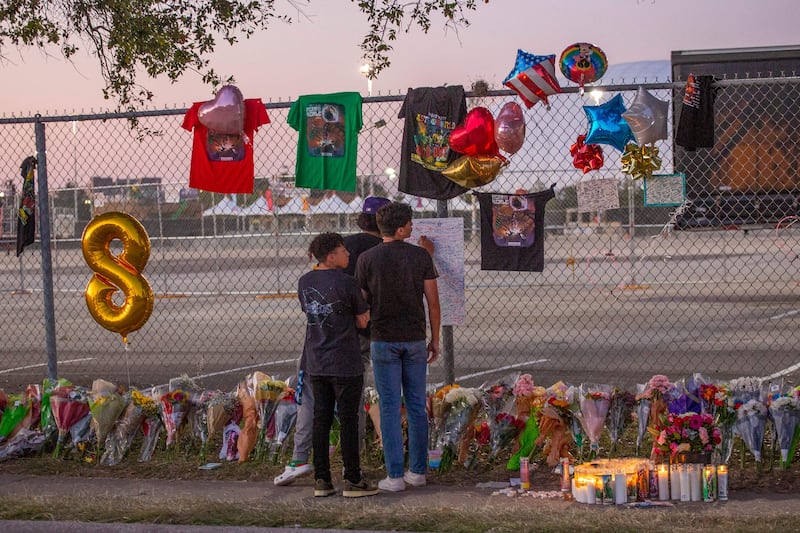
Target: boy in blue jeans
<point>334,307</point>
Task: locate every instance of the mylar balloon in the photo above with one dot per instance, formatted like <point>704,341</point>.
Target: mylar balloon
<point>647,117</point>
<point>606,125</point>
<point>586,157</point>
<point>509,128</point>
<point>117,273</point>
<point>473,171</point>
<point>533,78</point>
<point>225,113</point>
<point>583,63</point>
<point>476,135</point>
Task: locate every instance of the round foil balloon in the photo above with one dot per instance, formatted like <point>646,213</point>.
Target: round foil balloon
<point>583,63</point>
<point>509,128</point>
<point>225,113</point>
<point>476,135</point>
<point>113,273</point>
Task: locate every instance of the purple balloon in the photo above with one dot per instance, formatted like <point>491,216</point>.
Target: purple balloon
<point>509,128</point>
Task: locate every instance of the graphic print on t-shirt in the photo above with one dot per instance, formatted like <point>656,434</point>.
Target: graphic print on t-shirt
<point>317,307</point>
<point>513,221</point>
<point>224,147</point>
<point>325,130</point>
<point>431,141</point>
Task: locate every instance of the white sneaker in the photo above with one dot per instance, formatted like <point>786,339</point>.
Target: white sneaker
<point>293,470</point>
<point>392,484</point>
<point>414,479</point>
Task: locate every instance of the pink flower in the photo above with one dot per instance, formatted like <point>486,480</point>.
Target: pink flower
<point>660,383</point>
<point>696,422</point>
<point>524,385</point>
<point>703,435</point>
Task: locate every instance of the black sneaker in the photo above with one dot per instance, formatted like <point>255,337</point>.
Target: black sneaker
<point>357,490</point>
<point>323,488</point>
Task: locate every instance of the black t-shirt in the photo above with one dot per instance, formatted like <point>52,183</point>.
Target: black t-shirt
<point>696,124</point>
<point>431,114</point>
<point>357,244</point>
<point>331,300</point>
<point>512,230</point>
<point>393,275</point>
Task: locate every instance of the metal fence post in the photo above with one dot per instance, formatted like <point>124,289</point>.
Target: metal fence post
<point>47,258</point>
<point>448,357</point>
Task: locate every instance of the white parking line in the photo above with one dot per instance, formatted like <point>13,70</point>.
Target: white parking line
<point>27,367</point>
<point>495,370</point>
<point>783,372</point>
<point>232,370</point>
<point>783,315</point>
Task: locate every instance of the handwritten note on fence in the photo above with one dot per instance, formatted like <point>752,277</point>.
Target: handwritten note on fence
<point>665,189</point>
<point>597,195</point>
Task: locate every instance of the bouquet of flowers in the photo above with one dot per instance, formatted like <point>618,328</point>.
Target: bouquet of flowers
<point>174,407</point>
<point>246,439</point>
<point>69,406</point>
<point>119,441</point>
<point>268,394</point>
<point>374,412</point>
<point>725,418</point>
<point>47,424</point>
<point>708,398</point>
<point>437,412</point>
<point>497,397</point>
<point>527,396</point>
<point>751,420</point>
<point>745,389</point>
<point>651,404</point>
<point>677,433</point>
<point>461,407</point>
<point>105,404</point>
<point>594,401</point>
<point>152,424</point>
<point>13,416</point>
<point>620,411</point>
<point>24,442</point>
<point>284,420</point>
<point>503,430</point>
<point>785,413</point>
<point>554,422</point>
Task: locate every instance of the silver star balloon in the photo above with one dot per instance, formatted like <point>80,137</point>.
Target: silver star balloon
<point>647,117</point>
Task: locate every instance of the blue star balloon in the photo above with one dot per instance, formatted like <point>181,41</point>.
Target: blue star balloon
<point>606,124</point>
<point>533,78</point>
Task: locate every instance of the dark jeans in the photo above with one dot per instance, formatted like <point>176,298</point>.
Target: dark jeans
<point>345,394</point>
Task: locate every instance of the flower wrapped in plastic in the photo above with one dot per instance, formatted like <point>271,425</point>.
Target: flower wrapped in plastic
<point>119,440</point>
<point>69,406</point>
<point>555,422</point>
<point>152,425</point>
<point>497,398</point>
<point>751,419</point>
<point>249,433</point>
<point>620,414</point>
<point>685,432</point>
<point>527,396</point>
<point>283,422</point>
<point>374,412</point>
<point>174,408</point>
<point>745,389</point>
<point>461,406</point>
<point>17,409</point>
<point>504,428</point>
<point>437,413</point>
<point>594,401</point>
<point>707,393</point>
<point>25,442</point>
<point>785,413</point>
<point>105,404</point>
<point>268,393</point>
<point>725,416</point>
<point>651,405</point>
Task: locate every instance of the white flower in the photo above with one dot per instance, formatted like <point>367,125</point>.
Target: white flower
<point>785,402</point>
<point>752,408</point>
<point>746,384</point>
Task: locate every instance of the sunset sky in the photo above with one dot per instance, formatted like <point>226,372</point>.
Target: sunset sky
<point>320,54</point>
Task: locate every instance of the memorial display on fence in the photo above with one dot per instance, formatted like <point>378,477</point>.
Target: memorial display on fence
<point>684,431</point>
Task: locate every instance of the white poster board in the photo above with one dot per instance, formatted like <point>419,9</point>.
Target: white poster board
<point>597,195</point>
<point>447,235</point>
<point>665,189</point>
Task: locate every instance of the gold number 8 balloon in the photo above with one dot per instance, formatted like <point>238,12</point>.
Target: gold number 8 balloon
<point>113,273</point>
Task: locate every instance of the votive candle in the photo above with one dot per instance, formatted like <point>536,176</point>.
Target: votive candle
<point>722,483</point>
<point>663,482</point>
<point>685,483</point>
<point>620,488</point>
<point>590,488</point>
<point>709,483</point>
<point>695,483</point>
<point>675,482</point>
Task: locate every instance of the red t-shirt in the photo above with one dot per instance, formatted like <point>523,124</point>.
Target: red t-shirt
<point>224,163</point>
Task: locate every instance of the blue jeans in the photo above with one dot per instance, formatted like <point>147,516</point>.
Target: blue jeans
<point>400,370</point>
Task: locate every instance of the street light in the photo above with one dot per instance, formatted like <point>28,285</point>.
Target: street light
<point>366,70</point>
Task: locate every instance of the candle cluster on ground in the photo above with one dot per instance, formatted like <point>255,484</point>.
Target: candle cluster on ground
<point>619,481</point>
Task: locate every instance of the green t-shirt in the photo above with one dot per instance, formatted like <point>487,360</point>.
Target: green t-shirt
<point>328,125</point>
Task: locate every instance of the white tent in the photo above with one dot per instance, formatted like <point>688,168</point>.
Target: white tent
<point>257,208</point>
<point>226,206</point>
<point>294,207</point>
<point>332,205</point>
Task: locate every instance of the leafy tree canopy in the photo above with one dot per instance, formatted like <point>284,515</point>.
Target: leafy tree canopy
<point>134,39</point>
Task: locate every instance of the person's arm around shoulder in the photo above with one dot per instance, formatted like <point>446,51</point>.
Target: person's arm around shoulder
<point>362,320</point>
<point>431,289</point>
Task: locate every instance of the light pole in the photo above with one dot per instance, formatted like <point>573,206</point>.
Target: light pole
<point>366,70</point>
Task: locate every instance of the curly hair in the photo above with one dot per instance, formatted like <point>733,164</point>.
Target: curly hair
<point>366,221</point>
<point>323,244</point>
<point>392,216</point>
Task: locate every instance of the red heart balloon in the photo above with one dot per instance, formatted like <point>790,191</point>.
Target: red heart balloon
<point>476,136</point>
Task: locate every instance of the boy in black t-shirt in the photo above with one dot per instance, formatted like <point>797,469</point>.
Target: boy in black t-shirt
<point>334,307</point>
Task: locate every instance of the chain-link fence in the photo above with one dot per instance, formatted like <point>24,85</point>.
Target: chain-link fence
<point>622,295</point>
